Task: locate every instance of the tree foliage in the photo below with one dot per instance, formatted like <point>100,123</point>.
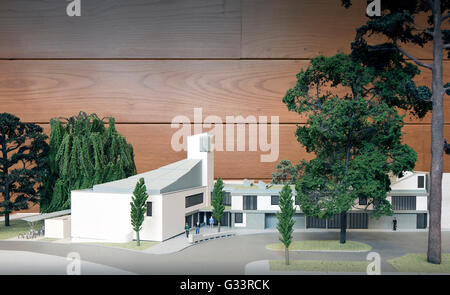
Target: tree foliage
<point>285,218</point>
<point>354,134</point>
<point>138,207</point>
<point>217,201</point>
<point>83,152</point>
<point>285,173</point>
<point>401,23</point>
<point>23,164</point>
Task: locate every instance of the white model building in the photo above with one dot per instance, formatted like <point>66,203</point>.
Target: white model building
<point>180,193</point>
<point>176,193</point>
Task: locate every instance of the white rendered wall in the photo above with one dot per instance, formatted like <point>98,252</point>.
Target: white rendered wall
<point>101,216</point>
<point>152,227</point>
<point>193,152</point>
<point>175,211</point>
<point>445,217</point>
<point>265,203</point>
<point>408,182</point>
<point>236,203</point>
<point>422,203</point>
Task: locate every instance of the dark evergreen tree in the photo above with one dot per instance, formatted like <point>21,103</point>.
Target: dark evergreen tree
<point>217,202</point>
<point>285,173</point>
<point>399,24</point>
<point>23,164</point>
<point>285,218</point>
<point>138,207</point>
<point>84,153</point>
<point>355,136</point>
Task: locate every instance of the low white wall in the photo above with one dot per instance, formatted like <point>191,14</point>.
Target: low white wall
<point>58,227</point>
<point>101,216</point>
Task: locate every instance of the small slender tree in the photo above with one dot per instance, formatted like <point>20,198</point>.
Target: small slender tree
<point>217,202</point>
<point>285,173</point>
<point>286,221</point>
<point>138,207</point>
<point>23,164</point>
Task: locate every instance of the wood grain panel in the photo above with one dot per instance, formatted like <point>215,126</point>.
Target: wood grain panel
<point>154,91</point>
<point>304,29</point>
<point>121,29</point>
<point>152,146</point>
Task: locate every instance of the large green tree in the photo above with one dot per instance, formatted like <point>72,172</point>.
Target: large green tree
<point>83,152</point>
<point>23,164</point>
<point>286,220</point>
<point>355,136</point>
<point>399,23</point>
<point>138,207</point>
<point>217,201</point>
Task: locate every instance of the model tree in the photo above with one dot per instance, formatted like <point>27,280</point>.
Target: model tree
<point>285,218</point>
<point>285,173</point>
<point>84,153</point>
<point>217,202</point>
<point>23,164</point>
<point>355,136</point>
<point>138,207</point>
<point>398,24</point>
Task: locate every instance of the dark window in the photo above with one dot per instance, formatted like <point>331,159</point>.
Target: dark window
<point>314,222</point>
<point>238,218</point>
<point>422,220</point>
<point>421,181</point>
<point>149,209</point>
<point>363,200</point>
<point>404,203</point>
<point>194,200</point>
<point>249,202</point>
<point>358,220</point>
<point>274,200</point>
<point>227,199</point>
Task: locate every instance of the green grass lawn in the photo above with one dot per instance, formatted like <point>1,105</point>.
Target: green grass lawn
<point>319,265</point>
<point>16,226</point>
<point>331,245</point>
<point>417,263</point>
<point>130,245</point>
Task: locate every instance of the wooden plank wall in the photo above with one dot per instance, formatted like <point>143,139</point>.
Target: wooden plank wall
<point>145,62</point>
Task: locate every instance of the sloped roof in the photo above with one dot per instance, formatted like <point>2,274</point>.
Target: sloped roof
<point>180,175</point>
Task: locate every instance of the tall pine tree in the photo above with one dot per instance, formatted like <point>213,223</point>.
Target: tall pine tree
<point>23,164</point>
<point>84,153</point>
<point>285,218</point>
<point>400,25</point>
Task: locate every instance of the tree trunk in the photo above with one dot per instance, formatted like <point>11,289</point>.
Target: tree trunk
<point>343,236</point>
<point>218,227</point>
<point>137,239</point>
<point>286,255</point>
<point>437,143</point>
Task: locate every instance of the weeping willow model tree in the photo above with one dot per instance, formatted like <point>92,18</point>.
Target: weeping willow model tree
<point>83,152</point>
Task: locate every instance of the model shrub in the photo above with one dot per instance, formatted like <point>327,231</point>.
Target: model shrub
<point>83,152</point>
<point>23,164</point>
<point>138,207</point>
<point>285,173</point>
